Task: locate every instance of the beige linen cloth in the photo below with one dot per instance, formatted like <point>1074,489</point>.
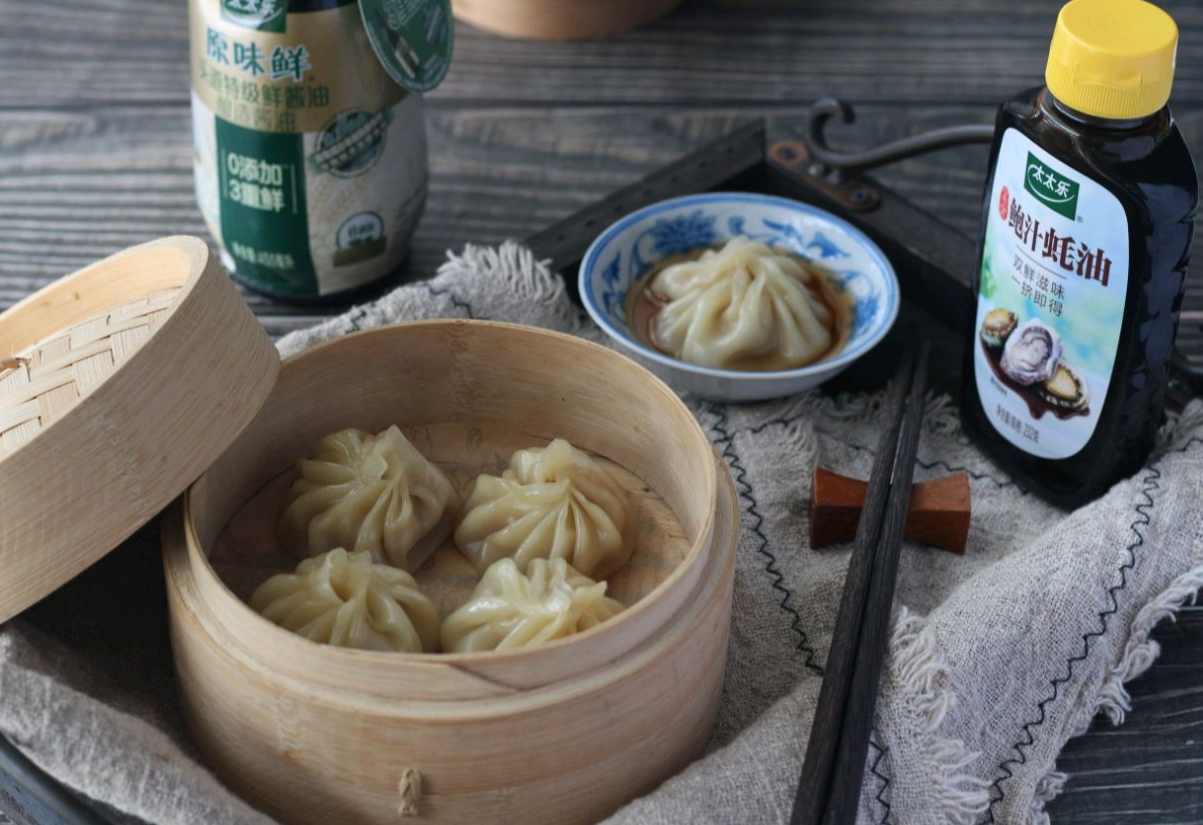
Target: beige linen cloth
<point>995,659</point>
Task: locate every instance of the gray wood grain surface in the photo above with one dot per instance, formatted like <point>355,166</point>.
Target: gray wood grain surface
<point>95,156</point>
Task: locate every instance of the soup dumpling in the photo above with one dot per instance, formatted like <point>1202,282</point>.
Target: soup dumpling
<point>509,610</point>
<point>744,306</point>
<point>554,502</point>
<point>368,492</point>
<point>347,600</point>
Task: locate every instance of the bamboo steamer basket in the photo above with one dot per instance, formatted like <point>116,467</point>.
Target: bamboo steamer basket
<point>562,733</point>
<point>119,385</point>
<point>561,19</point>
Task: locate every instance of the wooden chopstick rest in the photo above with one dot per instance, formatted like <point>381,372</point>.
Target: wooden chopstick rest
<point>937,515</point>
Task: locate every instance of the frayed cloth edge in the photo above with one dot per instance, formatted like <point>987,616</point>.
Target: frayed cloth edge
<point>1112,698</point>
<point>921,672</point>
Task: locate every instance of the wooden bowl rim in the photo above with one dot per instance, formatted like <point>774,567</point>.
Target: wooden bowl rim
<point>699,547</point>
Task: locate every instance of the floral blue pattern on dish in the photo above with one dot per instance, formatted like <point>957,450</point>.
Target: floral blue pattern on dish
<point>672,236</point>
<point>864,313</point>
<point>826,247</point>
<point>614,297</point>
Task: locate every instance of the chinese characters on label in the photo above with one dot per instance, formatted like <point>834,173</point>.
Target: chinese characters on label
<point>1012,422</point>
<point>1050,181</point>
<point>246,79</point>
<point>1037,287</point>
<point>1043,285</point>
<point>1070,255</point>
<point>284,62</point>
<point>261,257</point>
<point>255,183</point>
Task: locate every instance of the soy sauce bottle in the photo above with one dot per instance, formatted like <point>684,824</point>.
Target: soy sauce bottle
<point>1085,237</point>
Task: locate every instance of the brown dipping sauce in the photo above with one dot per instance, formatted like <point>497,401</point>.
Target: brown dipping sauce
<point>1037,405</point>
<point>643,305</point>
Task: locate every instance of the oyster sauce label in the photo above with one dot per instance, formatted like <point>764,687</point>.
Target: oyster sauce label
<point>1054,281</point>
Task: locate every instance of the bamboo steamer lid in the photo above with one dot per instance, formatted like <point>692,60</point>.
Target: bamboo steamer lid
<point>119,385</point>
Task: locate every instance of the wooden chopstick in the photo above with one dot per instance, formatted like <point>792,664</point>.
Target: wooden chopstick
<point>815,781</point>
<point>849,768</point>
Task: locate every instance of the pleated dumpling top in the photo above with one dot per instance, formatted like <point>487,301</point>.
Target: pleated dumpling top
<point>347,600</point>
<point>743,307</point>
<point>368,492</point>
<point>554,502</point>
<point>509,610</point>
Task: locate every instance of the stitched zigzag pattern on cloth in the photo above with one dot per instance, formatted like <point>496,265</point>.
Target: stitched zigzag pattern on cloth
<point>996,658</point>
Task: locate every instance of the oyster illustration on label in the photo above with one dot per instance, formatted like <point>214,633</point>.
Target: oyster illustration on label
<point>1031,353</point>
<point>999,324</point>
<point>1066,388</point>
<point>1030,357</point>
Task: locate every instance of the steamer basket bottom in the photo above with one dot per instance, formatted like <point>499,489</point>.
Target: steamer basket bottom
<point>571,752</point>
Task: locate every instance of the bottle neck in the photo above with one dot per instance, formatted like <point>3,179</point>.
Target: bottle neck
<point>1080,120</point>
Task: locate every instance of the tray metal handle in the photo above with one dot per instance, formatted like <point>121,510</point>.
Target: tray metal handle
<point>840,163</point>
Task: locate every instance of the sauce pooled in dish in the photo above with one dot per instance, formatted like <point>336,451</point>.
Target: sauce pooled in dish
<point>744,306</point>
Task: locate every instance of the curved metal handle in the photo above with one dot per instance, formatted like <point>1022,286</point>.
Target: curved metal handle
<point>823,110</point>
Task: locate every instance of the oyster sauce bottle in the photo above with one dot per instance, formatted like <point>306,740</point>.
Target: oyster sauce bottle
<point>1085,238</point>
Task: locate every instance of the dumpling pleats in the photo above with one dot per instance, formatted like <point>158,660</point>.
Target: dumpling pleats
<point>509,610</point>
<point>552,503</point>
<point>346,600</point>
<point>743,303</point>
<point>368,493</point>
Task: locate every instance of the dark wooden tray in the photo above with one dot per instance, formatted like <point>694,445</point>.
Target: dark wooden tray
<point>935,263</point>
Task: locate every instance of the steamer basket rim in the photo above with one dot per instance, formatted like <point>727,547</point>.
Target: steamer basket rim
<point>199,561</point>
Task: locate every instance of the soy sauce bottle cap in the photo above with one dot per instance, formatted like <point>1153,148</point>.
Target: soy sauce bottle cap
<point>1112,59</point>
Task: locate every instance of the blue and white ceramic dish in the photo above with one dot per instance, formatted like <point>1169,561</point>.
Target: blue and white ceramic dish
<point>855,266</point>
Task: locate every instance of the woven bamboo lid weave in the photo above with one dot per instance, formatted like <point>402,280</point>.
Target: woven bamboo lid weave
<point>119,385</point>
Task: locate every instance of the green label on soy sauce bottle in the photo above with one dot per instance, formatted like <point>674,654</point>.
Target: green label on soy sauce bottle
<point>310,159</point>
<point>264,219</point>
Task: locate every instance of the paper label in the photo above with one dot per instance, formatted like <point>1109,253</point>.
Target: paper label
<point>1053,286</point>
<point>310,161</point>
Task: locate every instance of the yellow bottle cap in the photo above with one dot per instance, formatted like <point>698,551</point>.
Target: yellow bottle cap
<point>1112,58</point>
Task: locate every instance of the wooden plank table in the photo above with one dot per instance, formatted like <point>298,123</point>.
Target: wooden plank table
<point>95,155</point>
